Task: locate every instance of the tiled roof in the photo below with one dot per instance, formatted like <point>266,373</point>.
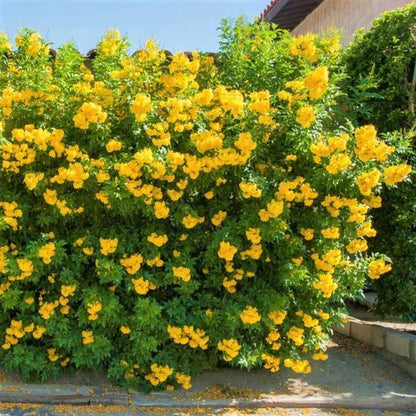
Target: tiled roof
<point>289,13</point>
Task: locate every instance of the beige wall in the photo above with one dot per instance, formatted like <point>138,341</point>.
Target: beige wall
<point>349,15</point>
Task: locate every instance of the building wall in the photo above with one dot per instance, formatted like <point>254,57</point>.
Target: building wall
<point>349,15</point>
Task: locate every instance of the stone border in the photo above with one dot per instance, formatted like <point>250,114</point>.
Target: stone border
<point>390,401</point>
<point>398,347</point>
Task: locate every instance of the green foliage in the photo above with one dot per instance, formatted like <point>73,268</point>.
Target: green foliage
<point>381,79</point>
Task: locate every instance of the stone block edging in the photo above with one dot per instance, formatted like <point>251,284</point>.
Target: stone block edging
<point>398,347</point>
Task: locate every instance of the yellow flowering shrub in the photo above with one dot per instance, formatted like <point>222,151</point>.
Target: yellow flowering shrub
<point>160,214</point>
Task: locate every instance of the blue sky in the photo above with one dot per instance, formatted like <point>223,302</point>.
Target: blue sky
<point>177,24</point>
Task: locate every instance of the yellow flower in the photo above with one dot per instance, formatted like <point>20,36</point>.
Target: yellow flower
<point>227,251</point>
<point>377,268</point>
<point>31,180</point>
<point>142,104</point>
<point>161,210</point>
<point>141,286</point>
<point>108,245</point>
<point>68,290</point>
<point>277,317</point>
<point>250,315</point>
<point>183,273</point>
<point>157,240</point>
<point>307,233</point>
<point>331,232</point>
<point>87,337</point>
<point>250,190</point>
<point>46,252</point>
<point>190,221</point>
<point>50,197</point>
<point>125,330</point>
<point>218,218</point>
<point>395,174</point>
<point>305,116</point>
<point>296,335</point>
<point>184,380</point>
<point>113,145</point>
<point>230,348</point>
<point>132,263</point>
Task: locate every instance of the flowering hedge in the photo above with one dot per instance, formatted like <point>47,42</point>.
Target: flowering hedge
<point>157,218</point>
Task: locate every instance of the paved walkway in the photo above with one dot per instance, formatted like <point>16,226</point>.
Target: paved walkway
<point>354,375</point>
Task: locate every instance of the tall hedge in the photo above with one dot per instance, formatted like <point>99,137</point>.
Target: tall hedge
<point>161,215</point>
<point>381,69</point>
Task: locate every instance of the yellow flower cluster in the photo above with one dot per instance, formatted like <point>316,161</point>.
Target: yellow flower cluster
<point>250,190</point>
<point>297,191</point>
<point>230,348</point>
<point>298,366</point>
<point>218,218</point>
<point>272,338</point>
<point>367,181</point>
<point>87,337</point>
<point>316,82</point>
<point>108,245</point>
<point>142,286</point>
<point>46,252</point>
<point>296,335</point>
<point>11,213</point>
<point>395,174</point>
<point>277,317</point>
<point>227,251</point>
<point>188,335</point>
<point>183,273</point>
<point>31,180</point>
<point>89,113</point>
<point>305,116</point>
<point>273,210</point>
<point>132,263</point>
<point>325,284</point>
<point>303,46</point>
<point>331,232</point>
<point>272,363</point>
<point>141,105</point>
<point>250,315</point>
<point>377,268</point>
<point>113,145</point>
<point>93,309</point>
<point>184,380</point>
<point>368,147</point>
<point>189,221</point>
<point>157,240</point>
<point>159,374</point>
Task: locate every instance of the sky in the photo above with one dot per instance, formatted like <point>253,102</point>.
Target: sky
<point>178,25</point>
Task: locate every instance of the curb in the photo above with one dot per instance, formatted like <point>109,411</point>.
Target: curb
<point>346,401</point>
<point>396,346</point>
